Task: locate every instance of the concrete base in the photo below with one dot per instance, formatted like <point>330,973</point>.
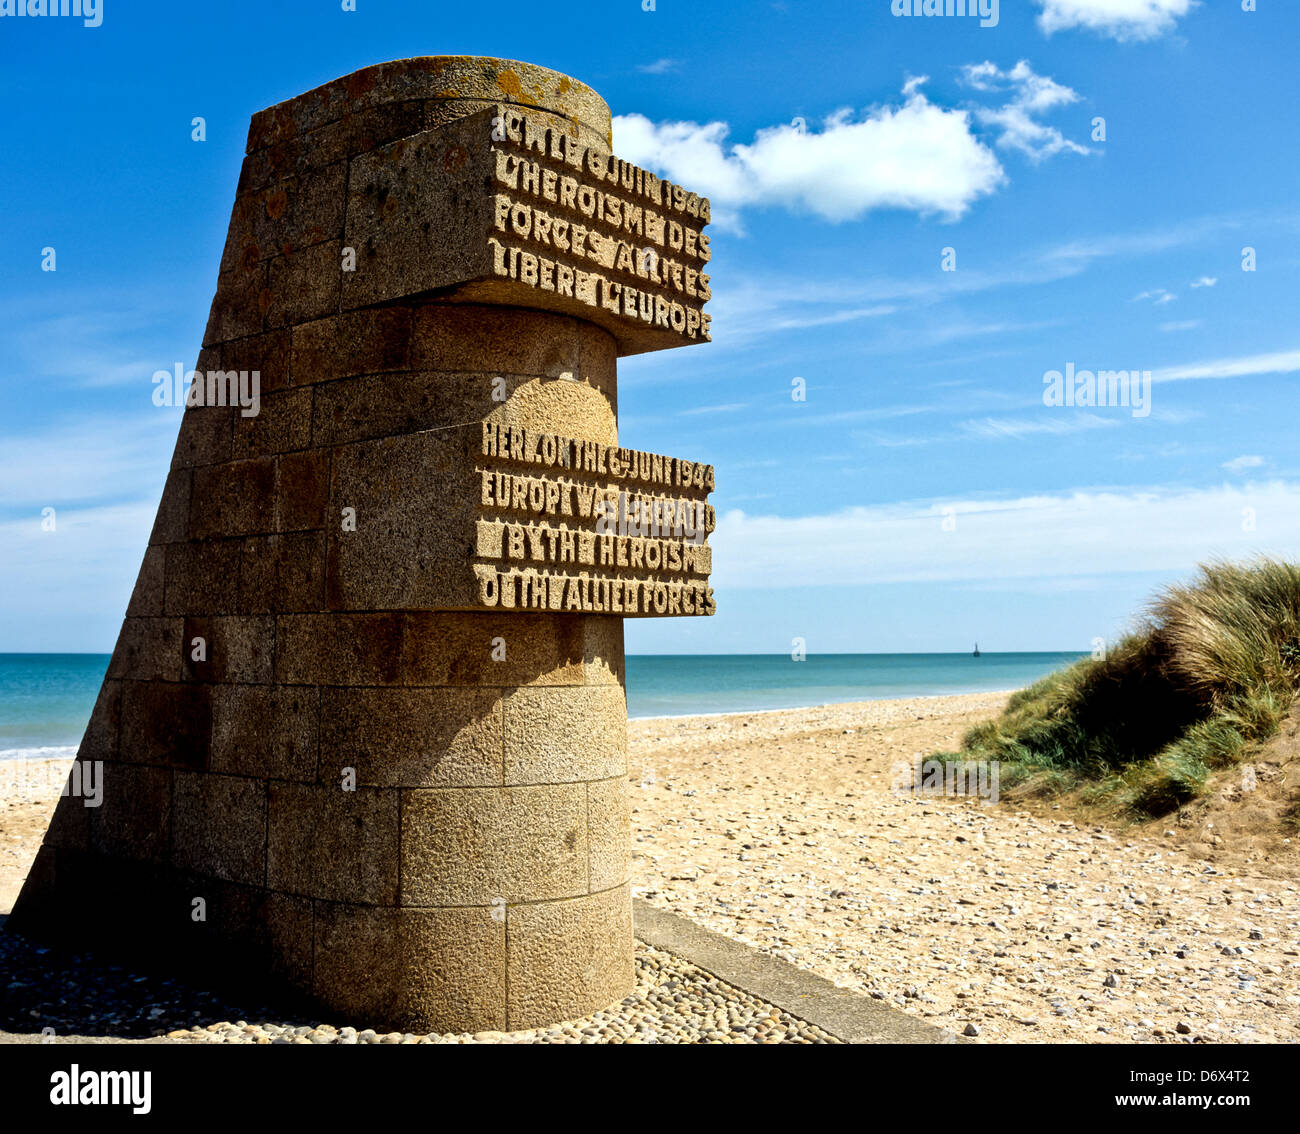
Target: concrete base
<point>844,1014</point>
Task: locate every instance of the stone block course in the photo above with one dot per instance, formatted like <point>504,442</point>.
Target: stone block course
<point>566,955</point>
<point>439,737</point>
<point>166,723</point>
<point>609,833</point>
<point>324,842</point>
<point>219,826</point>
<point>266,731</point>
<point>563,735</point>
<point>469,846</point>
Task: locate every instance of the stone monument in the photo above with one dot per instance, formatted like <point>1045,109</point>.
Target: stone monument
<point>364,729</point>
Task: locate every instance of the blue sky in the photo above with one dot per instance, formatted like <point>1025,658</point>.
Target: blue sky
<point>923,496</point>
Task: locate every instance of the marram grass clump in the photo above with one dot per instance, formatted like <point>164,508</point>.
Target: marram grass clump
<point>1210,672</point>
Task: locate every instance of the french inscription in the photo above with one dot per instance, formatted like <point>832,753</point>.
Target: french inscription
<point>573,220</point>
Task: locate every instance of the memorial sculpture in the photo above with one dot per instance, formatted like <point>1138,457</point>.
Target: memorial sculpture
<point>364,728</point>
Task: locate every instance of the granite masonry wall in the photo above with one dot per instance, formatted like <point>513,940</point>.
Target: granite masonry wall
<point>363,733</point>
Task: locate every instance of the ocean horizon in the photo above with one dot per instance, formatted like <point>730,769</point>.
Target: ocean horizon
<point>46,699</point>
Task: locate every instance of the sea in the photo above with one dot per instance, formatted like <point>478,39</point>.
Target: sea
<point>46,699</point>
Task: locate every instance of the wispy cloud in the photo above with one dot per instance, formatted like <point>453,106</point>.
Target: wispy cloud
<point>87,460</point>
<point>68,588</point>
<point>849,315</point>
<point>1003,428</point>
<point>1281,362</point>
<point>1060,534</point>
<point>884,441</point>
<point>1158,296</point>
<point>1082,251</point>
<point>1016,120</point>
<point>658,67</point>
<point>1205,281</point>
<point>753,306</point>
<point>732,407</point>
<point>96,345</point>
<point>1241,464</point>
<point>756,306</point>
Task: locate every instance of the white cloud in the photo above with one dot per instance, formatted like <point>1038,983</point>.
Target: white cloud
<point>658,67</point>
<point>691,154</point>
<point>848,315</point>
<point>731,407</point>
<point>1031,94</point>
<point>1009,428</point>
<point>84,540</point>
<point>916,156</point>
<point>1157,296</point>
<point>1066,535</point>
<point>1281,362</point>
<point>1121,19</point>
<point>1241,464</point>
<point>1205,281</point>
<point>1020,132</point>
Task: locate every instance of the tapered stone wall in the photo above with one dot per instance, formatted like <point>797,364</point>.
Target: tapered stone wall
<point>342,749</point>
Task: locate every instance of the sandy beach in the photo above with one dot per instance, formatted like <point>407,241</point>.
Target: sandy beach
<point>782,830</point>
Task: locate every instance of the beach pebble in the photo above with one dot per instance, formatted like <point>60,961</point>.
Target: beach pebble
<point>951,903</point>
<point>673,1002</point>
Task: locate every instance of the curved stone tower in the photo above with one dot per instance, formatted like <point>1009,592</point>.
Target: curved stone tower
<point>364,729</point>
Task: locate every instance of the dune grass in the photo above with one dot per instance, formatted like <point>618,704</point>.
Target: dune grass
<point>1211,671</point>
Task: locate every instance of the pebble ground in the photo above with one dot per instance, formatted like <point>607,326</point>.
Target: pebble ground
<point>785,831</point>
<point>74,995</point>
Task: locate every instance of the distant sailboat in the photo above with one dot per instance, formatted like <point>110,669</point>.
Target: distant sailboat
<point>977,650</point>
